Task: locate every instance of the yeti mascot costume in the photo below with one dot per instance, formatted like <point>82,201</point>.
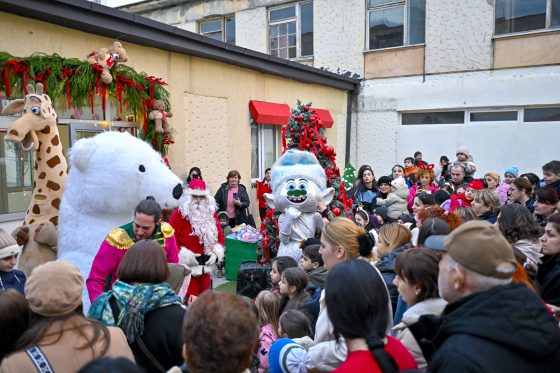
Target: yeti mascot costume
<point>109,175</point>
<point>298,185</point>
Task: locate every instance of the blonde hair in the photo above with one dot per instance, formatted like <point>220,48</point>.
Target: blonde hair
<point>394,235</point>
<point>268,306</point>
<point>344,232</point>
<point>488,198</point>
<point>494,176</point>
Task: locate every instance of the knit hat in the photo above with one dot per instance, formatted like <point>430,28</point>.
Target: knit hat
<point>384,180</point>
<point>54,288</point>
<point>478,246</point>
<point>309,241</point>
<point>476,185</point>
<point>8,245</point>
<point>381,211</point>
<point>512,170</point>
<point>286,356</point>
<point>462,150</point>
<point>297,163</point>
<point>197,187</point>
<point>223,214</point>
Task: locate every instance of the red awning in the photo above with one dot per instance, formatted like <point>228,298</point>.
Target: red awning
<point>269,112</point>
<point>325,117</point>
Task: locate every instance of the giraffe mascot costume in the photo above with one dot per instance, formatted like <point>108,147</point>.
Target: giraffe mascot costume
<point>37,131</point>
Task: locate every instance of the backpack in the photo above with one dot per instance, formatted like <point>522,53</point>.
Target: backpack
<point>251,279</point>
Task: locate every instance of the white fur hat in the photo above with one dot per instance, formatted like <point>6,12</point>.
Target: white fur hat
<point>297,163</point>
<point>399,183</point>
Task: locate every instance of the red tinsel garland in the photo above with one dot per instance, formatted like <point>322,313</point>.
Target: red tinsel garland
<point>17,67</point>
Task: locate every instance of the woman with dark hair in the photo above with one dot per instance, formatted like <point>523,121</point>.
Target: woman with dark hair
<point>548,275</point>
<point>342,240</point>
<point>520,191</point>
<point>422,200</point>
<point>520,229</point>
<point>364,193</point>
<point>232,198</point>
<point>262,188</point>
<point>546,204</point>
<point>533,180</point>
<point>417,282</point>
<point>59,335</point>
<point>14,320</point>
<point>144,307</point>
<point>360,316</point>
<point>194,173</point>
<point>443,173</point>
<point>432,227</point>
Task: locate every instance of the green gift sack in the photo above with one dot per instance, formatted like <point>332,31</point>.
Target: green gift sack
<point>236,252</point>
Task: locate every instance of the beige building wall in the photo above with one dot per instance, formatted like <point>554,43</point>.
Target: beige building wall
<point>209,99</point>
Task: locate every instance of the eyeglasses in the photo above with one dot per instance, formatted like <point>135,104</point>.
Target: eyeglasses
<point>194,176</point>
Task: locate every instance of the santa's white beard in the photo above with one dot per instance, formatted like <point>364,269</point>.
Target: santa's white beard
<point>201,216</point>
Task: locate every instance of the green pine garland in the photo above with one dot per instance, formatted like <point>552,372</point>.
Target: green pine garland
<point>53,70</point>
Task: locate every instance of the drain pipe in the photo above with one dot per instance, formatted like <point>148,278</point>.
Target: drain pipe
<point>349,100</point>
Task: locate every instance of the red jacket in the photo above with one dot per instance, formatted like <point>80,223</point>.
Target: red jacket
<point>184,236</point>
<point>262,188</point>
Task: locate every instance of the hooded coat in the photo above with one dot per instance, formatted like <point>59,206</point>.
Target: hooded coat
<point>396,201</point>
<point>504,329</point>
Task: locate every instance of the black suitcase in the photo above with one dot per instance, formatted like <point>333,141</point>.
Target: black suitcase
<point>251,279</point>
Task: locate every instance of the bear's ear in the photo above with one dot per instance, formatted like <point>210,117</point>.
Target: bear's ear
<point>81,153</point>
<point>269,198</point>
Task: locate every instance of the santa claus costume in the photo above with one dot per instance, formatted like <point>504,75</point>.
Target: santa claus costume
<point>199,235</point>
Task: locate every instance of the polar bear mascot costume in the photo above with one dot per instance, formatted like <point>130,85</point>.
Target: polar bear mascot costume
<point>298,185</point>
<point>109,175</point>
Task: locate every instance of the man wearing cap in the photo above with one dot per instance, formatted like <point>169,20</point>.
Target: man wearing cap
<point>199,235</point>
<point>490,324</point>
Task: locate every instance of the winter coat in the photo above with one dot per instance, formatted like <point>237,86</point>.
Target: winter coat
<point>267,337</point>
<point>412,193</point>
<point>432,306</point>
<point>364,197</point>
<point>63,354</point>
<point>386,266</point>
<point>502,192</point>
<point>262,188</point>
<point>240,211</point>
<point>504,329</point>
<point>14,280</point>
<point>488,216</point>
<point>317,277</point>
<point>396,201</point>
<point>548,279</point>
<point>555,185</point>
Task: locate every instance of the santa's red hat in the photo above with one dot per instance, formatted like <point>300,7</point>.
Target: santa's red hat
<point>197,187</point>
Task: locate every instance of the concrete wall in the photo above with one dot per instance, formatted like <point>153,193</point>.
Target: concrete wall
<point>339,34</point>
<point>459,35</point>
<point>251,29</point>
<point>381,141</point>
<point>209,100</point>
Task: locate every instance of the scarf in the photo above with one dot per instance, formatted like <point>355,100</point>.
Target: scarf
<point>135,301</point>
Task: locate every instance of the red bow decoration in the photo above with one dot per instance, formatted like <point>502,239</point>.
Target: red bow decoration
<point>429,167</point>
<point>152,81</point>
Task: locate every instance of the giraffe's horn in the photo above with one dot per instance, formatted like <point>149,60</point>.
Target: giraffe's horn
<point>39,88</point>
<point>30,88</point>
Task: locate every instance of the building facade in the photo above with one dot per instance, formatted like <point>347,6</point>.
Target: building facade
<point>213,88</point>
<point>436,73</point>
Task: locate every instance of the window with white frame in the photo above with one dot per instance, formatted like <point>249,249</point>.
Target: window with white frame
<point>525,15</point>
<point>221,29</point>
<point>290,30</point>
<point>264,150</point>
<point>395,23</point>
<point>484,116</point>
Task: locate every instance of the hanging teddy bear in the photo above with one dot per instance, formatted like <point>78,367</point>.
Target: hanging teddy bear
<point>107,59</point>
<point>159,116</point>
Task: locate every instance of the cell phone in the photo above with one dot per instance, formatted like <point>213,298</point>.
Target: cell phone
<point>234,195</point>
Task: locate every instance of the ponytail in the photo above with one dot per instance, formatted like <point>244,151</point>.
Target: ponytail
<point>377,348</point>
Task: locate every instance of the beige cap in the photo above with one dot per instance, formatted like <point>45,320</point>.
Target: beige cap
<point>479,246</point>
<point>54,288</point>
<point>8,245</point>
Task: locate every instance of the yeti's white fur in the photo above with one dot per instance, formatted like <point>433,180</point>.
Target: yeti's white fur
<point>104,185</point>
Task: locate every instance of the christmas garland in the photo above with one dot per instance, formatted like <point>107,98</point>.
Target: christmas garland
<point>79,81</point>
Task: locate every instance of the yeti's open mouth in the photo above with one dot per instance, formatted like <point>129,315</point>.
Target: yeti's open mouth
<point>297,200</point>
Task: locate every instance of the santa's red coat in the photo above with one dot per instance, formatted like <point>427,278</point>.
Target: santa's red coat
<point>184,236</point>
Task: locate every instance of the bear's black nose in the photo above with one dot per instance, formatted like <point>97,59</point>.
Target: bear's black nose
<point>177,191</point>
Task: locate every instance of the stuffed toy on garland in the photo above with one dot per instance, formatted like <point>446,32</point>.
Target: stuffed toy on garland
<point>298,183</point>
<point>107,59</point>
<point>159,116</point>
